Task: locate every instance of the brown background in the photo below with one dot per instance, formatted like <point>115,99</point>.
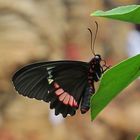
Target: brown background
<point>36,30</point>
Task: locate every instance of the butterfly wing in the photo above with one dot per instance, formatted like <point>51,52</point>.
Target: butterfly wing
<point>62,83</point>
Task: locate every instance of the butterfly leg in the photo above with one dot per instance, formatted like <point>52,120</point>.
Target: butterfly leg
<point>106,68</point>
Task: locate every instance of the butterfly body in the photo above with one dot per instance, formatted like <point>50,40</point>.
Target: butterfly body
<point>94,73</point>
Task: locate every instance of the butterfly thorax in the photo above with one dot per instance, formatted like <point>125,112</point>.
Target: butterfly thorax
<point>95,69</point>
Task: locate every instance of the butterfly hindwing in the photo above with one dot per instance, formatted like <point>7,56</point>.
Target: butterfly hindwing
<point>62,83</point>
<point>66,101</point>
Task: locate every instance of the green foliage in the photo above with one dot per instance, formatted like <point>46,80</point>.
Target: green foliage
<point>121,75</point>
<point>114,81</point>
<point>130,13</point>
<point>138,137</point>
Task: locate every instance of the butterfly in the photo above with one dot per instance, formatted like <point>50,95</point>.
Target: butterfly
<point>67,85</point>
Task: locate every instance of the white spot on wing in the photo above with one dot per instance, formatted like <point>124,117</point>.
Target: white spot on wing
<point>49,70</point>
<point>50,81</point>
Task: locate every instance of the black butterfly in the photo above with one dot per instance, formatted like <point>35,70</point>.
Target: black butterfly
<point>65,84</point>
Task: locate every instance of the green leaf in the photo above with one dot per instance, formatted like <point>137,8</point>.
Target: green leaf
<point>130,13</point>
<point>114,81</point>
<point>138,137</point>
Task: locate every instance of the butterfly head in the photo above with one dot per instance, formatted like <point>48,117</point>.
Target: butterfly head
<point>97,58</point>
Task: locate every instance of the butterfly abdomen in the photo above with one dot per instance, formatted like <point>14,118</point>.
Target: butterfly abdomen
<point>85,104</point>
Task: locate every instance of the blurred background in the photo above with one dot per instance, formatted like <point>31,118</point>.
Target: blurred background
<point>43,30</point>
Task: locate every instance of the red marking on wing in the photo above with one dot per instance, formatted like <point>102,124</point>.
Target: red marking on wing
<point>56,85</point>
<point>62,96</point>
<point>75,103</point>
<point>59,91</point>
<point>65,97</point>
<point>71,101</point>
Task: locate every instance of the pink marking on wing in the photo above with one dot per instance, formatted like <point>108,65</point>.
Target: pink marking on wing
<point>56,85</point>
<point>62,96</point>
<point>71,101</point>
<point>59,91</point>
<point>67,98</point>
<point>75,103</point>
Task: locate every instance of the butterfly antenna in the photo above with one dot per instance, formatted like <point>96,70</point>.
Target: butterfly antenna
<point>93,40</point>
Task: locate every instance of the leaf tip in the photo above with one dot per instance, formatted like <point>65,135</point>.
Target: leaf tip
<point>92,14</point>
<point>97,13</point>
